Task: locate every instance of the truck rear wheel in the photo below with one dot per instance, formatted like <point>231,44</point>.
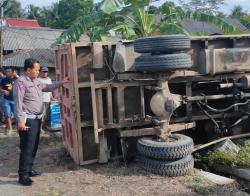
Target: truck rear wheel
<point>162,44</point>
<point>178,147</point>
<point>180,167</point>
<point>166,62</point>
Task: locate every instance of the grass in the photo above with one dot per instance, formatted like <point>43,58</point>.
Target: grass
<point>242,159</point>
<point>198,184</point>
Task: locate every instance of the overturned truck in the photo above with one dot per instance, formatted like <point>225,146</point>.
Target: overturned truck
<point>154,86</point>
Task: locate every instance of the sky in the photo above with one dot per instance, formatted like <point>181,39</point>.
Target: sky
<point>225,8</point>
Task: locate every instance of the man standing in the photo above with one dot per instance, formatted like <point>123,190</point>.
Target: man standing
<point>7,89</point>
<point>46,95</point>
<point>29,109</point>
<point>2,76</point>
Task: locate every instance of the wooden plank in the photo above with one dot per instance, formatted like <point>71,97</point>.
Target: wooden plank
<point>126,123</point>
<point>73,68</point>
<point>89,44</point>
<point>80,44</point>
<point>103,149</point>
<point>133,83</point>
<point>143,113</point>
<point>94,108</point>
<point>155,130</point>
<point>213,37</point>
<point>99,106</point>
<point>139,132</point>
<point>220,140</point>
<point>189,104</point>
<point>97,53</point>
<point>104,84</point>
<point>97,85</point>
<point>181,126</point>
<point>120,104</point>
<point>88,162</point>
<point>110,105</point>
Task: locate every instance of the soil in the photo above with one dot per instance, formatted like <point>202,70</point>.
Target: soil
<point>62,177</point>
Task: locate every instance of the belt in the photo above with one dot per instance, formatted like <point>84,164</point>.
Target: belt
<point>33,116</point>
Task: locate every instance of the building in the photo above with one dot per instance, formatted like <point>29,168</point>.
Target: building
<point>20,43</point>
<point>26,39</point>
<point>20,22</point>
<point>195,27</point>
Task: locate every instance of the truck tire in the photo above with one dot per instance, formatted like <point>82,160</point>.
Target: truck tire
<point>161,44</point>
<point>180,167</point>
<point>181,146</point>
<point>167,62</point>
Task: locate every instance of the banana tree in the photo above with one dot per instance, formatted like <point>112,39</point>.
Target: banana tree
<point>95,24</point>
<point>170,16</point>
<point>131,19</point>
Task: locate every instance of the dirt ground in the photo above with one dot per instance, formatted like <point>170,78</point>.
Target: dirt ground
<point>62,177</point>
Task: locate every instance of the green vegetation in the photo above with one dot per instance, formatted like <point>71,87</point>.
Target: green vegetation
<point>242,159</point>
<point>210,7</point>
<point>131,19</point>
<point>197,183</point>
<point>127,19</point>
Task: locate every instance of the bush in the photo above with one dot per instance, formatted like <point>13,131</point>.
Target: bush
<point>242,159</point>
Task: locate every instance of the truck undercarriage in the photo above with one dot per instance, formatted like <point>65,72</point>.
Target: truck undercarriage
<point>119,95</point>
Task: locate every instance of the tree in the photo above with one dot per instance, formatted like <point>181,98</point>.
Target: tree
<point>210,7</point>
<point>69,11</point>
<point>46,17</point>
<point>237,12</point>
<point>131,19</point>
<point>170,17</point>
<point>33,12</point>
<point>13,9</point>
<point>61,14</point>
<point>246,21</point>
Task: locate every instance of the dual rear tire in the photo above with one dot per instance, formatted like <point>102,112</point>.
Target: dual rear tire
<point>166,158</point>
<point>166,53</point>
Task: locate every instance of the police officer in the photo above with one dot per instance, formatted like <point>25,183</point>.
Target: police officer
<point>29,109</point>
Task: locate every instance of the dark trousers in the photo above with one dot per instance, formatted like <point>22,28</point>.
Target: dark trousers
<point>29,141</point>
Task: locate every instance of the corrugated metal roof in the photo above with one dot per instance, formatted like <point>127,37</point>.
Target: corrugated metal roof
<point>194,26</point>
<point>46,57</point>
<point>236,23</point>
<point>21,22</point>
<point>15,38</point>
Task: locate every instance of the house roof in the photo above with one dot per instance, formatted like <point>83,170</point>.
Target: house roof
<point>46,57</point>
<point>236,23</point>
<point>194,26</point>
<point>15,38</point>
<point>21,22</point>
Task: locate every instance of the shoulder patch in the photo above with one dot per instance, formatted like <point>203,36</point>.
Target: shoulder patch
<point>20,85</point>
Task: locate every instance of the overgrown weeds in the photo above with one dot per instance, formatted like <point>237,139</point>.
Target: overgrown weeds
<point>241,159</point>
